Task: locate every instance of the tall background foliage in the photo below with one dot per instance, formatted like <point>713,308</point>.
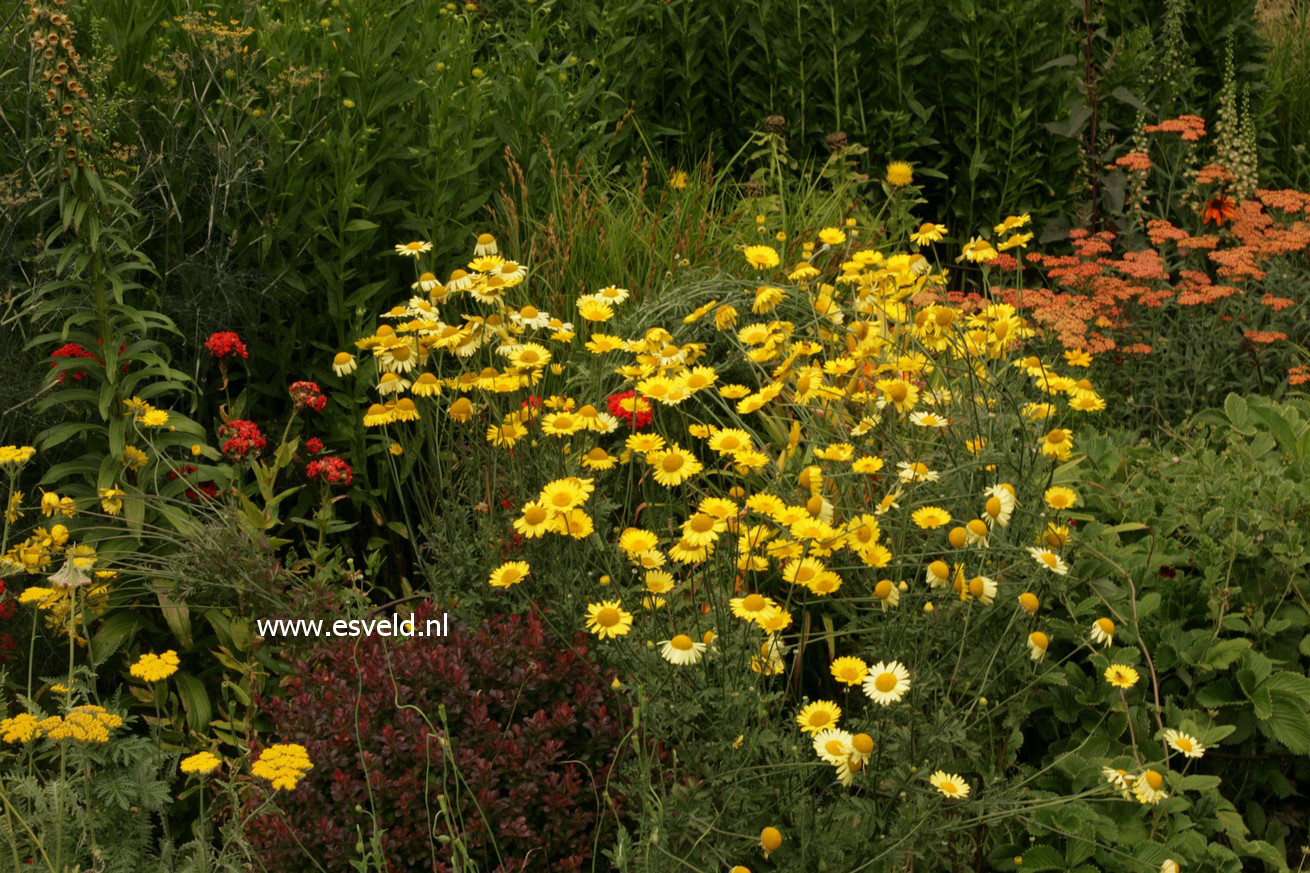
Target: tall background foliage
<point>275,149</point>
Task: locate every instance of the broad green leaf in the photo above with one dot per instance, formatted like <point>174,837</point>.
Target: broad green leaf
<point>112,633</point>
<point>191,691</point>
<point>1289,723</point>
<point>1040,857</point>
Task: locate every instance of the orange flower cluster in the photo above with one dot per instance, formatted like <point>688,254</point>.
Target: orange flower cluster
<point>1285,200</point>
<point>1212,173</point>
<point>1265,337</point>
<point>1190,127</point>
<point>1096,297</point>
<point>1134,162</point>
<point>1298,375</point>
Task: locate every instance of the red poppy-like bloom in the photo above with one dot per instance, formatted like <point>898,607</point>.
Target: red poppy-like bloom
<point>242,439</point>
<point>636,411</point>
<point>226,346</point>
<point>331,470</point>
<point>306,395</point>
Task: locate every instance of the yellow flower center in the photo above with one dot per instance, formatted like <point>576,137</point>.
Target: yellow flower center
<point>898,393</point>
<point>883,589</point>
<point>977,586</point>
<point>753,603</point>
<point>672,463</point>
<point>835,747</point>
<point>994,506</point>
<point>885,682</point>
<point>978,527</point>
<point>535,515</point>
<point>1184,744</point>
<point>1055,437</point>
<point>1106,626</point>
<point>949,787</point>
<point>701,523</point>
<point>608,617</point>
<point>819,718</point>
<point>681,642</point>
<point>1153,779</point>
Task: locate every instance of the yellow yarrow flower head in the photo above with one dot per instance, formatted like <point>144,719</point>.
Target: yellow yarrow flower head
<point>152,668</point>
<point>13,457</point>
<point>283,764</point>
<point>201,763</point>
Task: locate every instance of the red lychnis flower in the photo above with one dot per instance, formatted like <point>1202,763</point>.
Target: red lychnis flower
<point>631,408</point>
<point>71,350</point>
<point>331,470</point>
<point>209,489</point>
<point>226,346</point>
<point>242,439</point>
<point>313,445</point>
<point>306,395</point>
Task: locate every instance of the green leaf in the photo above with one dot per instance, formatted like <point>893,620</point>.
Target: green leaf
<point>241,634</point>
<point>1236,409</point>
<point>175,613</point>
<point>1278,426</point>
<point>1291,684</point>
<point>1224,653</point>
<point>358,225</point>
<point>1041,857</point>
<point>112,633</point>
<point>1289,723</point>
<point>1199,782</point>
<point>191,691</point>
<point>61,433</point>
<point>237,691</point>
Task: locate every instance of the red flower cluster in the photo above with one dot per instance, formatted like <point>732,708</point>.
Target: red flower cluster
<point>530,726</point>
<point>71,350</point>
<point>226,345</point>
<point>313,445</point>
<point>8,609</point>
<point>636,420</point>
<point>209,489</point>
<point>331,470</point>
<point>242,439</point>
<point>307,395</point>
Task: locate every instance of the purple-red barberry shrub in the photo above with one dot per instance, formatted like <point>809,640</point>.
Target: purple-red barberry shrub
<point>533,731</point>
